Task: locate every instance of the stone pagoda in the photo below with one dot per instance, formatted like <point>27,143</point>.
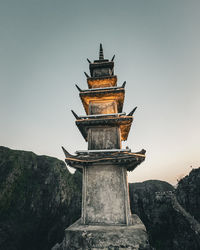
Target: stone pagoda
<point>106,221</point>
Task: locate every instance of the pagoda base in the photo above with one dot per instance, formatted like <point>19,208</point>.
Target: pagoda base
<point>105,237</point>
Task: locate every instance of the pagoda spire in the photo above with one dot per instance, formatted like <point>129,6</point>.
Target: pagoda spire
<point>101,56</point>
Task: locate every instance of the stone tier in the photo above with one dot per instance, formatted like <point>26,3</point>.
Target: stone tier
<point>103,101</point>
<point>101,67</point>
<point>122,122</point>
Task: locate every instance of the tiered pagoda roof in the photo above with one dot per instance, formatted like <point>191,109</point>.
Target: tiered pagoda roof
<point>103,104</point>
<point>102,72</point>
<point>97,94</point>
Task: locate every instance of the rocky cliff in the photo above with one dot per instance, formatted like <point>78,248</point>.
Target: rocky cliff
<point>188,193</point>
<point>39,198</point>
<point>168,224</point>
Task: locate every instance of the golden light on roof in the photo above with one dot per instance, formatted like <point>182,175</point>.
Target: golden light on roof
<point>102,83</point>
<point>124,129</point>
<point>103,97</point>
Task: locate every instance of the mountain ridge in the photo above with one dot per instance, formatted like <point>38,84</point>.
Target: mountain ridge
<point>39,198</point>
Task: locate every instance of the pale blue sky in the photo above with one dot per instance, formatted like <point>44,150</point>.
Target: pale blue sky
<point>43,49</point>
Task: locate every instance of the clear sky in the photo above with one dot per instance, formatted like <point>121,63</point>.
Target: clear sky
<point>43,49</point>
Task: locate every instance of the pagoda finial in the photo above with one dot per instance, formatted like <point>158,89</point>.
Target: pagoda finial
<point>101,57</point>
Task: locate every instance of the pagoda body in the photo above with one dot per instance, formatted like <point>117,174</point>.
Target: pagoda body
<point>106,218</point>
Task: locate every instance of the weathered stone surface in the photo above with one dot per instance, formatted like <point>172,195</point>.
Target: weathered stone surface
<point>39,198</point>
<point>102,72</point>
<point>104,137</point>
<point>102,107</point>
<point>105,195</point>
<point>100,237</point>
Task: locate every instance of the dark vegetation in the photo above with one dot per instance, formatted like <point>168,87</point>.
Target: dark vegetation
<point>39,198</point>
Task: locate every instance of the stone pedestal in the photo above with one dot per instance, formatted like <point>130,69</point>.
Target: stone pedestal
<point>105,195</point>
<point>105,237</point>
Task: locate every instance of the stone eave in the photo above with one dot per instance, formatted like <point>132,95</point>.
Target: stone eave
<point>100,61</point>
<point>101,82</point>
<point>127,159</point>
<point>100,89</point>
<point>103,95</point>
<point>123,122</point>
